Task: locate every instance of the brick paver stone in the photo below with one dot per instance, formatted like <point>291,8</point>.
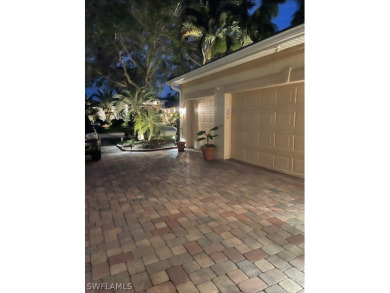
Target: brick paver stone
<point>120,258</point>
<point>118,278</point>
<point>163,252</point>
<point>191,266</point>
<point>161,231</point>
<point>252,243</point>
<point>237,276</point>
<point>242,248</point>
<point>141,281</point>
<point>203,241</point>
<point>98,257</point>
<point>176,250</point>
<point>293,249</point>
<point>177,275</point>
<point>278,262</point>
<point>248,268</point>
<point>118,268</point>
<point>233,254</point>
<point>158,266</point>
<point>214,247</point>
<point>223,267</point>
<point>275,289</point>
<point>193,247</point>
<point>202,276</point>
<point>142,251</point>
<point>203,260</point>
<point>218,257</point>
<point>296,275</point>
<point>264,265</point>
<point>286,255</point>
<point>100,270</point>
<point>187,287</point>
<point>207,287</point>
<point>224,284</point>
<point>135,266</point>
<point>180,259</point>
<point>276,221</point>
<point>252,285</point>
<point>231,242</point>
<point>272,276</point>
<point>298,262</point>
<point>166,287</point>
<point>159,278</point>
<point>149,259</point>
<point>290,286</point>
<point>255,255</point>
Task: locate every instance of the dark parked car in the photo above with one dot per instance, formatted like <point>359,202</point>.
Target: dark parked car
<point>92,141</point>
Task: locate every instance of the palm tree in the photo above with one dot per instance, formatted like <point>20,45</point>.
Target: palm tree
<point>132,103</point>
<point>261,25</point>
<point>148,120</point>
<point>90,105</point>
<point>106,102</point>
<point>215,25</point>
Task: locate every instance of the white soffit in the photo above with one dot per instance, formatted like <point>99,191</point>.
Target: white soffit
<point>279,42</point>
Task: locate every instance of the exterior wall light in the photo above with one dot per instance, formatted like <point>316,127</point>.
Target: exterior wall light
<point>182,111</point>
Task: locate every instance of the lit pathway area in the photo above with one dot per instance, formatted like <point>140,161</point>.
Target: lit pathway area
<point>165,221</point>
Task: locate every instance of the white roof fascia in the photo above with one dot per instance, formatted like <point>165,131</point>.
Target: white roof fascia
<point>244,55</point>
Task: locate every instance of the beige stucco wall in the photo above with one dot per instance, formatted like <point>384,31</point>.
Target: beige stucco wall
<point>279,68</point>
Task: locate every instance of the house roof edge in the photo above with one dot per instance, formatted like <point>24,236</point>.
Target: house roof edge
<point>245,54</point>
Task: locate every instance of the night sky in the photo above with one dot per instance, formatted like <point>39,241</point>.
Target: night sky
<point>283,20</point>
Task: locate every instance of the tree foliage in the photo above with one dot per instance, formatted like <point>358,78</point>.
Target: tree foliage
<point>299,15</point>
<point>261,25</point>
<point>130,43</point>
<point>149,121</point>
<point>216,27</point>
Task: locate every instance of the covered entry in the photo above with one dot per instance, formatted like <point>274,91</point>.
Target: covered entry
<point>204,117</point>
<point>268,128</point>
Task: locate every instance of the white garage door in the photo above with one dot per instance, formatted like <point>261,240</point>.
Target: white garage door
<point>268,128</point>
<point>204,117</point>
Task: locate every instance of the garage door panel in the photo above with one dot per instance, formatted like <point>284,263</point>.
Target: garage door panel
<point>251,138</point>
<point>252,99</point>
<point>266,139</point>
<point>273,130</point>
<point>298,166</point>
<point>300,95</point>
<point>251,119</point>
<point>299,142</point>
<point>284,119</point>
<point>250,155</point>
<point>282,140</point>
<point>299,121</point>
<point>238,152</point>
<point>266,119</point>
<point>284,96</point>
<point>267,99</point>
<point>282,162</point>
<point>265,159</point>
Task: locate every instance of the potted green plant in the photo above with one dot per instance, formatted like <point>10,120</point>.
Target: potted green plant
<point>208,149</point>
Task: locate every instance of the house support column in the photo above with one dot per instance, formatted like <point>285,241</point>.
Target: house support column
<point>219,120</point>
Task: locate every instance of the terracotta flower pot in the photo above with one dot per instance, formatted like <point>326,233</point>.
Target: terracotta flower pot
<point>208,153</point>
<point>180,146</point>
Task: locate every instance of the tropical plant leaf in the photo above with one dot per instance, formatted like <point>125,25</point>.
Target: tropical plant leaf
<point>201,132</point>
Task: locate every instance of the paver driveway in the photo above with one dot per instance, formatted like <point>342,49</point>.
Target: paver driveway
<point>171,222</point>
